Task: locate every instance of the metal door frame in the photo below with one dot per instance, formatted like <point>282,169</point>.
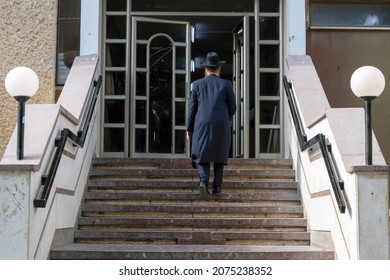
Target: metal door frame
<point>133,97</point>
<point>258,96</point>
<point>241,118</point>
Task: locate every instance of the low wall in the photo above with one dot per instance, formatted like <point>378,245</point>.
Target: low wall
<point>27,232</point>
<point>362,232</point>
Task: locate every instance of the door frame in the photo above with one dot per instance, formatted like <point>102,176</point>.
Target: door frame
<point>133,71</point>
<point>241,118</point>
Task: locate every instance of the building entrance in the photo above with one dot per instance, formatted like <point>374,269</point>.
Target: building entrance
<point>151,57</point>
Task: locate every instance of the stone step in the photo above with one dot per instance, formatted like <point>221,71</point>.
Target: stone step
<point>179,174</point>
<point>185,163</point>
<point>187,252</point>
<point>153,236</point>
<point>101,183</point>
<point>189,196</point>
<point>144,222</point>
<point>179,208</point>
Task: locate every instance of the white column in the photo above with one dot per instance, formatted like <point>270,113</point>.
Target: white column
<point>90,27</point>
<point>373,215</point>
<point>295,27</point>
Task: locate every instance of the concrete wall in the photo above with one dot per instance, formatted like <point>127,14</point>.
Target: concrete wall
<point>26,232</point>
<point>28,31</point>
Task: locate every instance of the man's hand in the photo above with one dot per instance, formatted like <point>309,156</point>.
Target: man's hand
<point>189,135</point>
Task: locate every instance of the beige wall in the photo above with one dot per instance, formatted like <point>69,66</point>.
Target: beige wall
<point>27,38</point>
<point>337,54</point>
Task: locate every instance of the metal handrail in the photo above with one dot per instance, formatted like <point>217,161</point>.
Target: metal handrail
<point>78,140</point>
<point>325,147</point>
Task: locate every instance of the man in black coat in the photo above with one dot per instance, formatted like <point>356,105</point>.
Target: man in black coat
<point>211,107</point>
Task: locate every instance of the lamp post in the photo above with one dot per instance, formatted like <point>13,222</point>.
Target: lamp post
<point>367,83</point>
<point>21,83</point>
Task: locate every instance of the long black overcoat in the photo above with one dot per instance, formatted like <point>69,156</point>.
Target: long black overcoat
<point>211,107</point>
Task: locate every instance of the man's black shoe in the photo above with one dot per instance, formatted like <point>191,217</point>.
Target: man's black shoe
<point>216,190</point>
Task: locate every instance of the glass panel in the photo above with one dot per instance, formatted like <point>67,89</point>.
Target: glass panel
<point>115,83</point>
<point>68,44</point>
<point>269,6</point>
<point>195,6</point>
<point>141,84</point>
<point>269,112</point>
<point>181,58</point>
<point>180,85</point>
<point>269,84</point>
<point>160,127</point>
<point>160,96</point>
<point>116,5</point>
<point>141,55</point>
<point>269,56</point>
<point>114,139</point>
<point>180,140</point>
<point>269,28</point>
<point>350,15</point>
<point>180,113</point>
<point>116,55</point>
<point>140,140</point>
<point>114,111</point>
<point>269,141</point>
<point>177,32</point>
<point>140,112</point>
<point>116,27</point>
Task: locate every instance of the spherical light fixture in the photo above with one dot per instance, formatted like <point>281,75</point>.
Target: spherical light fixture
<point>21,83</point>
<point>367,83</point>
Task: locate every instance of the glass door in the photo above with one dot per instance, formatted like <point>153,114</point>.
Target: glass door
<point>159,89</point>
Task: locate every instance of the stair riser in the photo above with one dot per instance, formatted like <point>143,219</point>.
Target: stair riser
<point>119,184</point>
<point>155,241</point>
<point>79,255</point>
<point>189,215</point>
<point>184,163</point>
<point>166,173</point>
<point>242,197</point>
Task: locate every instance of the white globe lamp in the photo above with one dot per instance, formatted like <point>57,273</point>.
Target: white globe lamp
<point>21,83</point>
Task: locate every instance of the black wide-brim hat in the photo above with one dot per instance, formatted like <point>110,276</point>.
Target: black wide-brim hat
<point>212,60</point>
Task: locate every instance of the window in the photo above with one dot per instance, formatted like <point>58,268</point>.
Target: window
<point>68,38</point>
<point>194,6</point>
<point>350,16</point>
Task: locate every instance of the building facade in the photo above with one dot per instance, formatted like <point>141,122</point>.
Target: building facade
<point>150,52</point>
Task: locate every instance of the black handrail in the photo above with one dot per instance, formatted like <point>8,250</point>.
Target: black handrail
<point>78,140</point>
<point>319,139</point>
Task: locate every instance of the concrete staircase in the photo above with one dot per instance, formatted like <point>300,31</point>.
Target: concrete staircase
<point>151,209</point>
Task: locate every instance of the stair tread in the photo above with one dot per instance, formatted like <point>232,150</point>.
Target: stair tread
<point>190,183</point>
<point>182,252</point>
<point>177,207</point>
<point>184,248</point>
<point>188,172</point>
<point>191,222</point>
<point>160,233</point>
<point>189,196</point>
